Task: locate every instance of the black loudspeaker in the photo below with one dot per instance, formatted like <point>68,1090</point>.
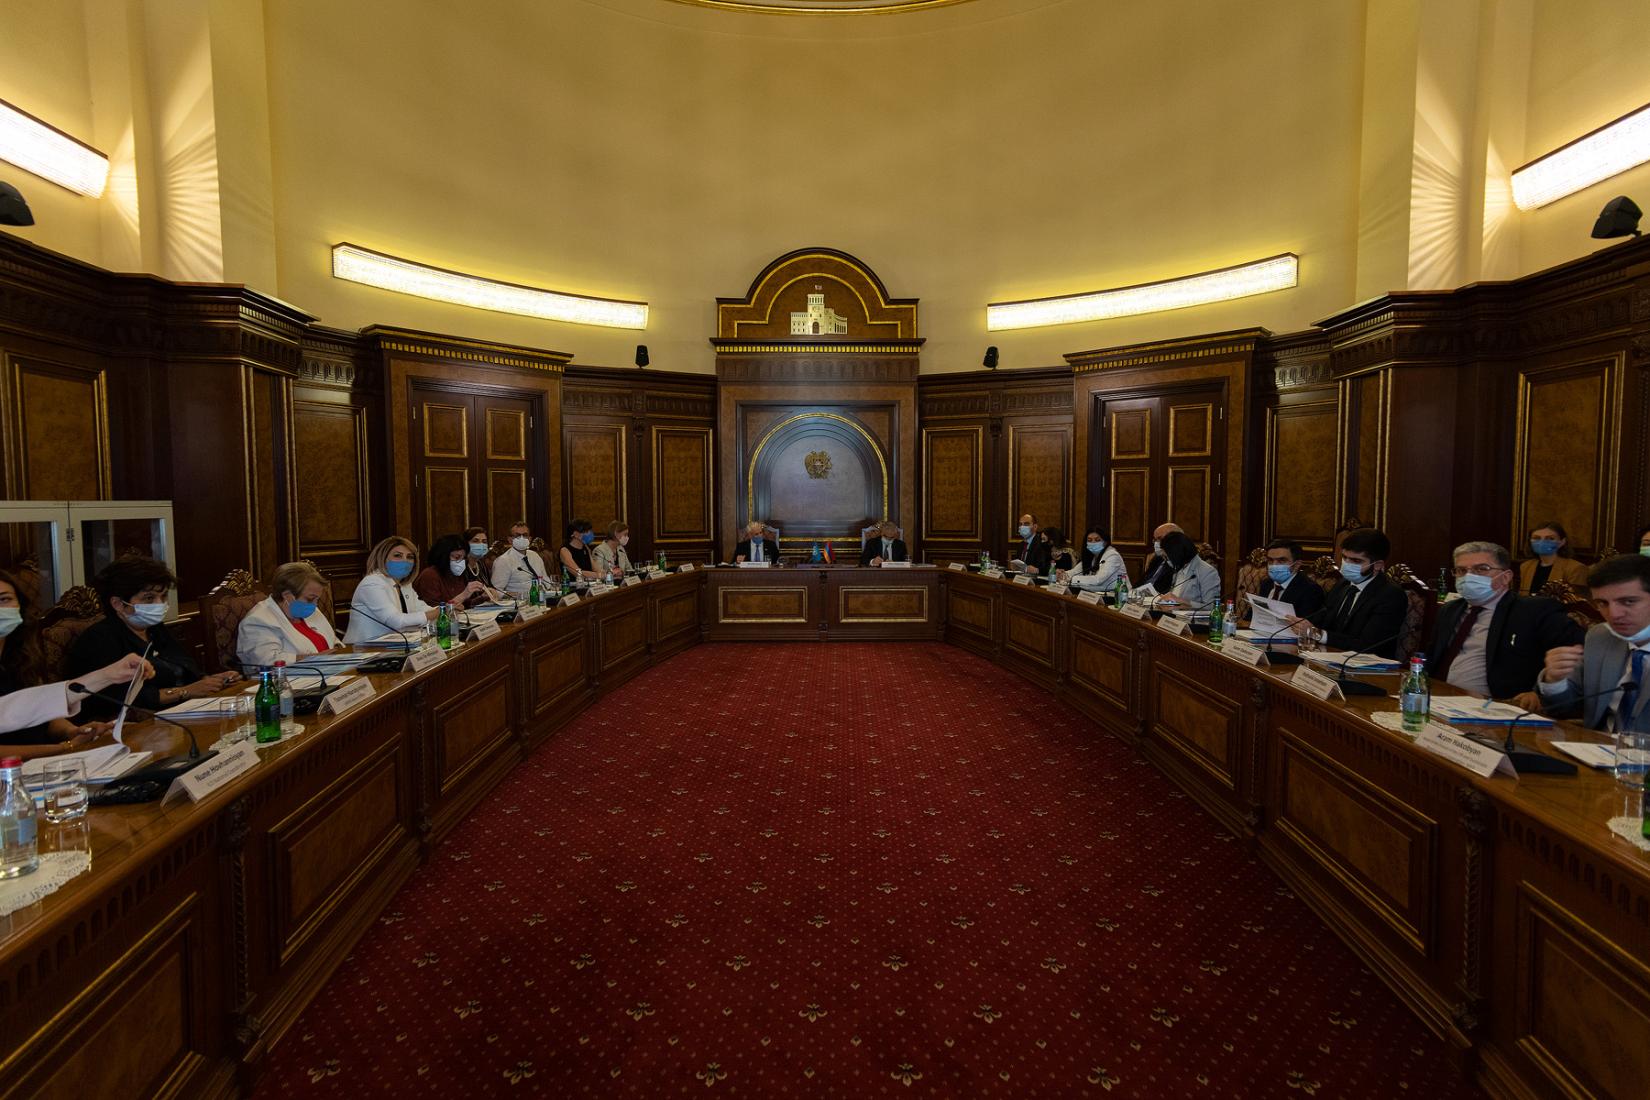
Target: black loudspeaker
<point>641,355</point>
<point>991,357</point>
<point>13,209</point>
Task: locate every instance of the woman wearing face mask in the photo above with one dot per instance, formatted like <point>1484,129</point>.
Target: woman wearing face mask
<point>1550,544</point>
<point>575,551</point>
<point>133,593</point>
<point>449,575</point>
<point>1644,542</point>
<point>385,602</point>
<point>1060,557</point>
<point>1195,585</point>
<point>289,625</point>
<point>609,554</point>
<point>1099,566</point>
<point>23,665</point>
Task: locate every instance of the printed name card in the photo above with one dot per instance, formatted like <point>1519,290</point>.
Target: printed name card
<point>1024,578</point>
<point>632,580</point>
<point>1316,684</point>
<point>957,567</point>
<point>486,628</point>
<point>1090,597</point>
<point>1239,650</point>
<point>1135,610</point>
<point>896,565</point>
<point>1174,624</point>
<point>753,565</point>
<point>1478,759</point>
<point>686,567</point>
<point>528,611</point>
<point>1061,589</point>
<point>421,659</point>
<point>348,697</point>
<point>216,773</point>
<point>569,600</point>
<point>993,572</point>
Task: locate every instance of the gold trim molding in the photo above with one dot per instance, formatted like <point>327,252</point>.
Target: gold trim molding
<point>820,7</point>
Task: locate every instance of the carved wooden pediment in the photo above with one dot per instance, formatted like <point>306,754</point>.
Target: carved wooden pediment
<point>816,296</point>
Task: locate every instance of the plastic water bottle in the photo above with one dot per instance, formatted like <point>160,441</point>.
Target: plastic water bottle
<point>283,689</point>
<point>1217,626</point>
<point>444,628</point>
<point>19,846</point>
<point>664,564</point>
<point>1230,621</point>
<point>1415,695</point>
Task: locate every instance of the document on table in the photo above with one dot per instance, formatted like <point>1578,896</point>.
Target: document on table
<point>1355,662</point>
<point>1468,709</point>
<point>215,706</point>
<point>1603,756</point>
<point>1263,638</point>
<point>102,763</point>
<point>1270,616</point>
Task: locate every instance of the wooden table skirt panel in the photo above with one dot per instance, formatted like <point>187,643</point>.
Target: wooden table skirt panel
<point>1501,911</point>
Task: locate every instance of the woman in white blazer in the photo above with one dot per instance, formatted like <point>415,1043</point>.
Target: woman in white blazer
<point>289,625</point>
<point>384,602</point>
<point>1099,566</point>
<point>35,706</point>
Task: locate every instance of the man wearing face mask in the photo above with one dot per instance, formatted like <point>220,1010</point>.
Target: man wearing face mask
<point>1365,611</point>
<point>1033,553</point>
<point>1492,641</point>
<point>756,546</point>
<point>1285,582</point>
<point>1158,572</point>
<point>516,568</point>
<point>133,593</point>
<point>885,545</point>
<point>1578,679</point>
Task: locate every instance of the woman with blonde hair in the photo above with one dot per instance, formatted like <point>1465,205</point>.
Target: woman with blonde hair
<point>288,626</point>
<point>608,555</point>
<point>384,602</point>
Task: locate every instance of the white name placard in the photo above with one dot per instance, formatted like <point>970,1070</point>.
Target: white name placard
<point>896,565</point>
<point>994,573</point>
<point>1476,758</point>
<point>1089,598</point>
<point>754,564</point>
<point>957,567</point>
<point>216,773</point>
<point>486,628</point>
<point>530,611</point>
<point>1239,650</point>
<point>428,657</point>
<point>1135,610</point>
<point>1174,624</point>
<point>632,580</point>
<point>348,697</point>
<point>1316,684</point>
<point>686,567</point>
<point>1061,589</point>
<point>1024,578</point>
<point>569,600</point>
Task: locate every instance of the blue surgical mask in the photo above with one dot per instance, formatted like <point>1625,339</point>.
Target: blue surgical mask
<point>588,537</point>
<point>1635,640</point>
<point>1096,547</point>
<point>400,570</point>
<point>1475,589</point>
<point>1025,531</point>
<point>1280,574</point>
<point>301,609</point>
<point>1352,571</point>
<point>147,614</point>
<point>458,567</point>
<point>1543,547</point>
<point>478,549</point>
<point>10,619</point>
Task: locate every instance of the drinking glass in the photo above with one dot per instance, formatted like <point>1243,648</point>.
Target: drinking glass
<point>1632,758</point>
<point>62,785</point>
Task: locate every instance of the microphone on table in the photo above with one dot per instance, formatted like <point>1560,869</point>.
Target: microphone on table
<point>1358,687</point>
<point>1528,761</point>
<point>151,782</point>
<point>304,702</point>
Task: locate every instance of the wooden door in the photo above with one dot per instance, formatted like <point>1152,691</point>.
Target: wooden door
<point>1159,458</point>
<point>475,454</point>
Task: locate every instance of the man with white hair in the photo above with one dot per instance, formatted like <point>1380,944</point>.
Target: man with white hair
<point>756,546</point>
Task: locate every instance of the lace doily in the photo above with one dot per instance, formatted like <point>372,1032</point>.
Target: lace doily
<point>55,869</point>
<point>1631,829</point>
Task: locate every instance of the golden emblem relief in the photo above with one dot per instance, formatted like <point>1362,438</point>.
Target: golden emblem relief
<point>818,464</point>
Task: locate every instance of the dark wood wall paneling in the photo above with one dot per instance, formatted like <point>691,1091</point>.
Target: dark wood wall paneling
<point>640,446</point>
<point>995,445</point>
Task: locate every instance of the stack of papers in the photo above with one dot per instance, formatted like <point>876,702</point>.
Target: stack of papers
<point>1468,710</point>
<point>216,706</point>
<point>410,640</point>
<point>1263,638</point>
<point>1604,756</point>
<point>103,763</point>
<point>1270,617</point>
<point>1354,662</point>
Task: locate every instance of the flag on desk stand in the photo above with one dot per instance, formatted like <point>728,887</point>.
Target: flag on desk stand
<point>828,555</point>
<point>815,555</point>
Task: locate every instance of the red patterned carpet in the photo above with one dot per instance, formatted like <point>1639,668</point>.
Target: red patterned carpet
<point>848,871</point>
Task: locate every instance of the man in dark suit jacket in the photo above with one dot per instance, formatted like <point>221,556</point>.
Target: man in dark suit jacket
<point>1032,553</point>
<point>1365,612</point>
<point>1285,581</point>
<point>1492,641</point>
<point>885,545</point>
<point>755,532</point>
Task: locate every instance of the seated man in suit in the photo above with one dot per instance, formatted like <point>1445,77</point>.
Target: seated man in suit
<point>1578,679</point>
<point>1286,582</point>
<point>886,545</point>
<point>1157,566</point>
<point>1365,611</point>
<point>1492,641</point>
<point>755,546</point>
<point>1032,555</point>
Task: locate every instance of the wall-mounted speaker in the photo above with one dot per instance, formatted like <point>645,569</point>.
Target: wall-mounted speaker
<point>641,355</point>
<point>991,357</point>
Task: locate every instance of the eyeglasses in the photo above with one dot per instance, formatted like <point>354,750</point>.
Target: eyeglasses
<point>1480,570</point>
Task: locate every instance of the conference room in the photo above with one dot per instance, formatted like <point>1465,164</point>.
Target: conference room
<point>842,548</point>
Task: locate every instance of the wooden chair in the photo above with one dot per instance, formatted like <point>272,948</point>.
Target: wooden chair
<point>1251,576</point>
<point>1423,608</point>
<point>222,610</point>
<point>1582,610</point>
<point>1207,551</point>
<point>1325,572</point>
<point>865,533</point>
<point>62,625</point>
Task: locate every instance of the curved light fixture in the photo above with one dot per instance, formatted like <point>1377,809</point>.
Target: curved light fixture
<point>815,7</point>
<point>1256,277</point>
<point>1608,151</point>
<point>363,265</point>
<point>49,153</point>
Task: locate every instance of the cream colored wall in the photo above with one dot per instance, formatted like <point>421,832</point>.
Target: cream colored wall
<point>988,151</point>
<point>1590,63</point>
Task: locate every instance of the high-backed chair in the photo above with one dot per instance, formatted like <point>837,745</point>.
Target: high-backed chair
<point>62,625</point>
<point>1582,610</point>
<point>865,533</point>
<point>222,610</point>
<point>1325,572</point>
<point>1423,608</point>
<point>1208,553</point>
<point>1251,575</point>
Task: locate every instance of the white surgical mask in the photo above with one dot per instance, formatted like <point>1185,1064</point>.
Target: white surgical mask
<point>457,567</point>
<point>520,542</point>
<point>624,540</point>
<point>10,619</point>
<point>147,614</point>
<point>1157,547</point>
<point>1096,547</point>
